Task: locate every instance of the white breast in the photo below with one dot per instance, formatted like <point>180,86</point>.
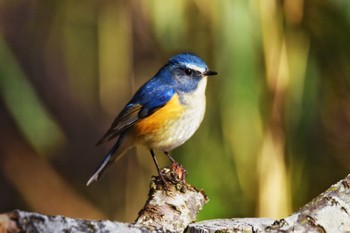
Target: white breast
<point>181,129</point>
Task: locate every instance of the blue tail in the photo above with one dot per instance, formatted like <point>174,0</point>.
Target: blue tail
<point>106,162</point>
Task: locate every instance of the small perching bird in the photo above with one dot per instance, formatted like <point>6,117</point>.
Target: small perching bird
<point>163,114</point>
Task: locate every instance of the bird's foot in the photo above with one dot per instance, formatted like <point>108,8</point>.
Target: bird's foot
<point>178,172</point>
<point>171,176</point>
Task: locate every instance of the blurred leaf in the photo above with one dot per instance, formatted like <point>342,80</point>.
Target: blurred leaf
<point>34,121</point>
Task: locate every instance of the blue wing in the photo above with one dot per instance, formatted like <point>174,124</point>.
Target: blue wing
<point>152,96</point>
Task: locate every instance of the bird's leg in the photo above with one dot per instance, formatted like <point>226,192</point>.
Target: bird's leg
<point>157,165</point>
<point>169,156</point>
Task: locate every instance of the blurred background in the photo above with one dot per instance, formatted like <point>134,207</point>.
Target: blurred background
<point>277,128</point>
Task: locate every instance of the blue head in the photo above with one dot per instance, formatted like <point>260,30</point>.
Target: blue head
<point>186,71</point>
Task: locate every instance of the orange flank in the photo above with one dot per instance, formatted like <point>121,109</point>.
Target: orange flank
<point>161,118</point>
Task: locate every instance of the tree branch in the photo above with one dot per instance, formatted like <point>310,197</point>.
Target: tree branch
<point>329,212</point>
<point>169,208</point>
<point>172,207</point>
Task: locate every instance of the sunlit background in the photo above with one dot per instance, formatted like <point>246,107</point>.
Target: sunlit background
<point>277,128</point>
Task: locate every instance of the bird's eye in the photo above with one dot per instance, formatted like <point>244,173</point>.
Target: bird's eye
<point>188,72</point>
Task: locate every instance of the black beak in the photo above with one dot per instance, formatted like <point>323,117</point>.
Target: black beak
<point>210,73</point>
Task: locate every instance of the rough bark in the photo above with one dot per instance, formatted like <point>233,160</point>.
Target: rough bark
<point>172,207</point>
<point>329,212</point>
<point>169,208</point>
<point>21,221</point>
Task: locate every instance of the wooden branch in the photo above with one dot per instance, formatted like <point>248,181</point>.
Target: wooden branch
<point>169,208</point>
<point>21,221</point>
<point>329,212</point>
<point>172,207</point>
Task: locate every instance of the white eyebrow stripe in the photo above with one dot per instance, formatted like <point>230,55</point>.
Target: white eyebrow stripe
<point>194,67</point>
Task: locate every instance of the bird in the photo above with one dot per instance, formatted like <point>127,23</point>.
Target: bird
<point>163,114</point>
